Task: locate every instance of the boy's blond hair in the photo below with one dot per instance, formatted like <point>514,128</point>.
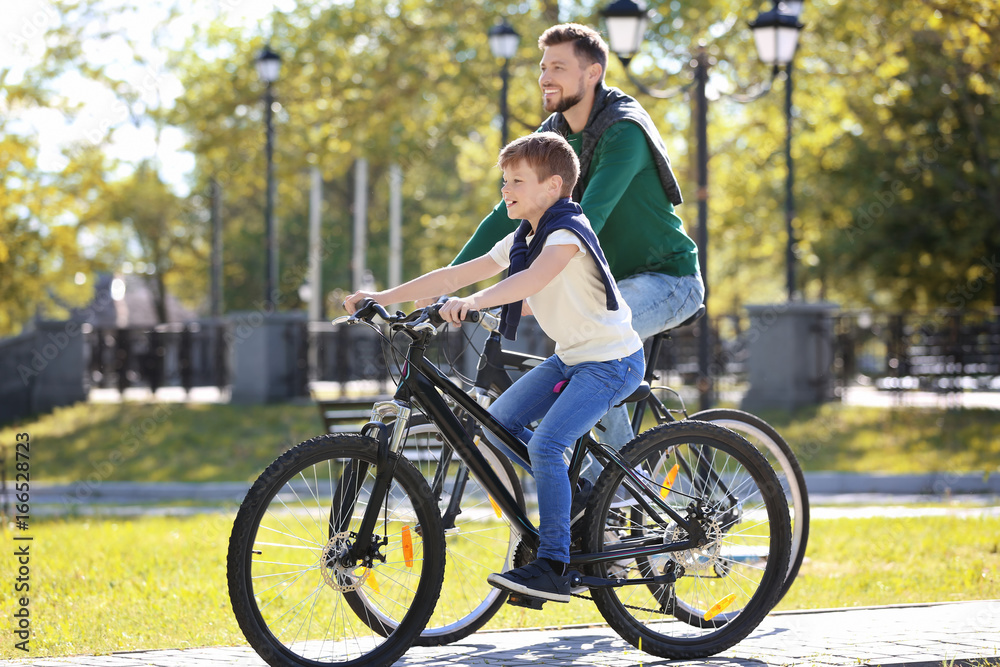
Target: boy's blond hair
<point>548,154</point>
<point>588,45</point>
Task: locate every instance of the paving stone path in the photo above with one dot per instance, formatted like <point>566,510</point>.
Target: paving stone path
<point>954,634</point>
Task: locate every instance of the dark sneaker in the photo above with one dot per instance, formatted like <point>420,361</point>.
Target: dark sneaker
<point>536,579</point>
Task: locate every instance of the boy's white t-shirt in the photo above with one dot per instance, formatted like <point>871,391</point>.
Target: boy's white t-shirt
<point>572,309</point>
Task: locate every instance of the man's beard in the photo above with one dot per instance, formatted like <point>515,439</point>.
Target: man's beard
<point>567,101</point>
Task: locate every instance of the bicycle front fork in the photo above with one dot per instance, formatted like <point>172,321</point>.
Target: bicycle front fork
<point>390,441</point>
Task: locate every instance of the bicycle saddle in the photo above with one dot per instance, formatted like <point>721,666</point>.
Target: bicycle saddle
<point>698,314</point>
<point>641,392</point>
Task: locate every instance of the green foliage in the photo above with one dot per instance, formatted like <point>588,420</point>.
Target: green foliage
<point>393,82</point>
<point>32,255</point>
<point>913,189</point>
<point>895,141</point>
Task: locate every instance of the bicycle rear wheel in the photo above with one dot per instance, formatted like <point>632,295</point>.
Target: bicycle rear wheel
<point>289,578</point>
<point>722,588</point>
<point>478,540</point>
<point>781,457</point>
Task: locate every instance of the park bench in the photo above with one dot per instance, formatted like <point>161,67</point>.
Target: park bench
<point>348,415</point>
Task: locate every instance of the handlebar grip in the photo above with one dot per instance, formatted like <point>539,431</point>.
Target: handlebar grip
<point>436,319</point>
<point>368,307</point>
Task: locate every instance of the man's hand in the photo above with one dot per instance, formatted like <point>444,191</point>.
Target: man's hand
<point>455,309</point>
<point>351,302</point>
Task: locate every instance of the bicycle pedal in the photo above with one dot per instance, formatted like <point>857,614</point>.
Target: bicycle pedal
<point>525,601</point>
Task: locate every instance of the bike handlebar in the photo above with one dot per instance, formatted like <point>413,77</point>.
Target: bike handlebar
<point>429,316</point>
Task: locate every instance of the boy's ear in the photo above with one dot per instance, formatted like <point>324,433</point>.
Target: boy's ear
<point>555,183</point>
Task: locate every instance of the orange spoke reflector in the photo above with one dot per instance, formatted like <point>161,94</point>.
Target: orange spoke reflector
<point>373,582</point>
<point>671,477</point>
<point>407,547</point>
<point>496,508</point>
<point>717,608</point>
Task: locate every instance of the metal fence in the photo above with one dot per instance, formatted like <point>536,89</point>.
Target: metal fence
<point>197,354</point>
<point>941,352</point>
<point>188,355</point>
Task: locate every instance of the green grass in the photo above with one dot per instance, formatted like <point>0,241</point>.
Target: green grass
<point>200,443</point>
<point>881,561</point>
<point>843,438</point>
<point>107,585</point>
<point>102,585</point>
<point>161,442</point>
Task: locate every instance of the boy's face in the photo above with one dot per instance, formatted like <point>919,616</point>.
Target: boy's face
<point>525,195</point>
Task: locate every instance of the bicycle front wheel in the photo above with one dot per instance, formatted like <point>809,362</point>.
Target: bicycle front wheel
<point>781,457</point>
<point>291,581</point>
<point>478,540</point>
<point>709,597</point>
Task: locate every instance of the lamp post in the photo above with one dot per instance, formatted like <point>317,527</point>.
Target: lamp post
<point>776,33</point>
<point>503,44</point>
<point>268,65</point>
<point>626,24</point>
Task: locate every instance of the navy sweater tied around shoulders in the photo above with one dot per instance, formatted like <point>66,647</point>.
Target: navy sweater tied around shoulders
<point>564,214</point>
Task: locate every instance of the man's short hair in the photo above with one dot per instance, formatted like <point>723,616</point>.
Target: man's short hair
<point>548,154</point>
<point>588,44</point>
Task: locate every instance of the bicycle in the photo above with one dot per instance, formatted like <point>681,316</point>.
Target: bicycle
<point>467,514</point>
<point>337,552</point>
<point>761,434</point>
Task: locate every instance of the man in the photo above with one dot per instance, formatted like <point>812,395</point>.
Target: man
<point>626,189</point>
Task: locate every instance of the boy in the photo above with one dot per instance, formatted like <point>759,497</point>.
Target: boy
<point>557,266</point>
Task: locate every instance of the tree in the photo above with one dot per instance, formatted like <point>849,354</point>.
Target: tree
<point>392,82</point>
<point>920,222</point>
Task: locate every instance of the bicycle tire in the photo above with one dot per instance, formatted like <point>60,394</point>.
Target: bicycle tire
<point>286,584</point>
<point>781,457</point>
<point>743,560</point>
<point>479,543</point>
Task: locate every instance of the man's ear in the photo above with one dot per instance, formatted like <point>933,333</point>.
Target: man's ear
<point>594,73</point>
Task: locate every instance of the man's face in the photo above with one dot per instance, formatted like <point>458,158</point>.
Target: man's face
<point>563,79</point>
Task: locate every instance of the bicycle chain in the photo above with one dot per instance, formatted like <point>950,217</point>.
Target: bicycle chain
<point>627,606</point>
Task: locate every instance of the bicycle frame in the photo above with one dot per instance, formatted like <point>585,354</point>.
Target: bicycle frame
<point>424,384</point>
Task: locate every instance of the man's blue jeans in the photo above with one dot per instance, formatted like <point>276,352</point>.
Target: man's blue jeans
<point>594,387</point>
<point>658,302</point>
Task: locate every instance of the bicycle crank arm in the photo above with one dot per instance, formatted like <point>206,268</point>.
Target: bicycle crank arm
<point>577,579</point>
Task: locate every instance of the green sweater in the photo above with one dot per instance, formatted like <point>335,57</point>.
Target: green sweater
<point>624,200</point>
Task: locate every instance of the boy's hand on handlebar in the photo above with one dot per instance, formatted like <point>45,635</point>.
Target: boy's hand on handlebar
<point>455,309</point>
<point>351,302</point>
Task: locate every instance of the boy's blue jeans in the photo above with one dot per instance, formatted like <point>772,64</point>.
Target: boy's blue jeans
<point>658,302</point>
<point>594,388</point>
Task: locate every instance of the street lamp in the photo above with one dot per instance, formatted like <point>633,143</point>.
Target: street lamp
<point>503,43</point>
<point>626,24</point>
<point>776,33</point>
<point>268,65</point>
